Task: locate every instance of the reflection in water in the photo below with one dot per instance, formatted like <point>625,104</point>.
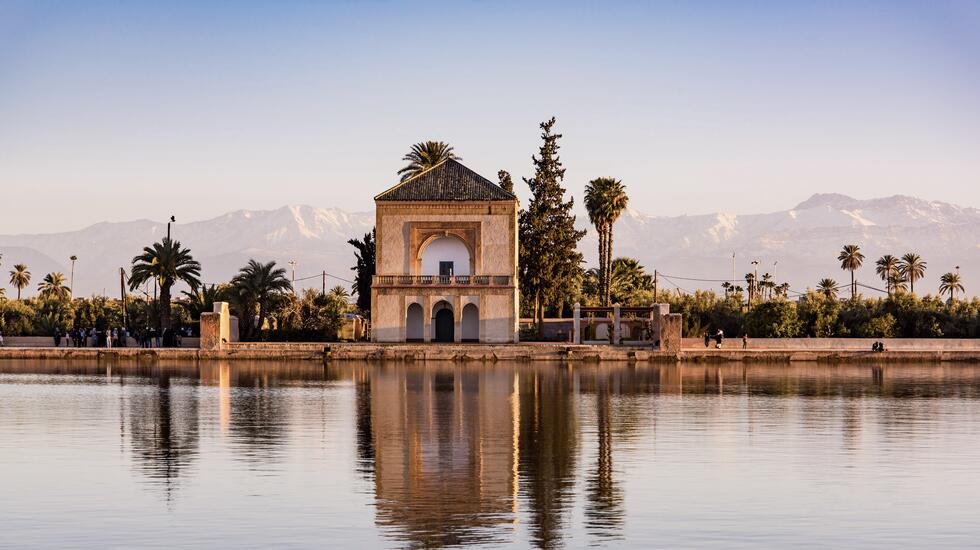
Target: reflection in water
<point>457,455</point>
<point>161,428</point>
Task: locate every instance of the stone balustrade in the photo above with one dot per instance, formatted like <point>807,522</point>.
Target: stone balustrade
<point>443,280</point>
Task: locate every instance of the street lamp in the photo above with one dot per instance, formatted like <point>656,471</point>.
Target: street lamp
<point>292,263</point>
<point>172,220</point>
<point>71,280</point>
<point>755,280</point>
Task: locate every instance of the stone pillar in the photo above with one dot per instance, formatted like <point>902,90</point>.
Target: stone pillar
<point>216,327</point>
<point>577,324</point>
<point>617,329</point>
<point>427,318</point>
<point>457,319</point>
<point>670,333</point>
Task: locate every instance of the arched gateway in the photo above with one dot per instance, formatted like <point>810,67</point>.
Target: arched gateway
<point>445,237</point>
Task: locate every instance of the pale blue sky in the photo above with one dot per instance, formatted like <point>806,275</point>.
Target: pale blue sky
<point>123,110</point>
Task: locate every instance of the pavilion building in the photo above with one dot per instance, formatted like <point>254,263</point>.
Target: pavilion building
<point>446,260</point>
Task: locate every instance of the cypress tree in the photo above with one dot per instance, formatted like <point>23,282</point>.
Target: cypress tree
<point>505,181</point>
<point>550,263</point>
<point>364,270</point>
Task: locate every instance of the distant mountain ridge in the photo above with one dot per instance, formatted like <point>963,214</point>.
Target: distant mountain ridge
<point>804,240</point>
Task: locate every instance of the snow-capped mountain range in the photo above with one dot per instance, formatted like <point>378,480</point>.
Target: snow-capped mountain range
<point>800,244</point>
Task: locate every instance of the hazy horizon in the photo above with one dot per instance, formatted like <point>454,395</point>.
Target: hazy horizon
<point>120,111</point>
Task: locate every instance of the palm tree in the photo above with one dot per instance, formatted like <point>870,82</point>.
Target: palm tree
<point>256,285</point>
<point>766,284</point>
<point>750,283</point>
<point>912,269</point>
<point>53,286</point>
<point>887,267</point>
<point>605,200</point>
<point>851,259</point>
<point>166,262</point>
<point>627,277</point>
<point>340,293</point>
<point>201,300</point>
<point>828,286</point>
<point>20,277</point>
<point>950,283</point>
<point>425,155</point>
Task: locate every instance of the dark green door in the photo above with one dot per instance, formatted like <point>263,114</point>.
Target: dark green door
<point>444,325</point>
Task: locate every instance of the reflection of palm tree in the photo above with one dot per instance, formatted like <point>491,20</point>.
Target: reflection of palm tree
<point>851,259</point>
<point>604,509</point>
<point>162,437</point>
<point>950,283</point>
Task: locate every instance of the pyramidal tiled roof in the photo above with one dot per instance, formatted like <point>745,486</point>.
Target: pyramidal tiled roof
<point>447,181</point>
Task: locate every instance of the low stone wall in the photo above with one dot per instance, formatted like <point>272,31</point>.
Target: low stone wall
<point>562,353</point>
<point>841,344</point>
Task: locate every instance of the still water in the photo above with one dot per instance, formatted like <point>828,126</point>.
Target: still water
<point>428,455</point>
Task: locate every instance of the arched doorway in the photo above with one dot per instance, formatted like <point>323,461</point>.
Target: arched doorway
<point>470,323</point>
<point>444,324</point>
<point>414,323</point>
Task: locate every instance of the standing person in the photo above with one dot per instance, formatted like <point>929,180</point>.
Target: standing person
<point>57,337</point>
<point>745,341</point>
<point>718,338</point>
<point>1,338</point>
<point>707,339</point>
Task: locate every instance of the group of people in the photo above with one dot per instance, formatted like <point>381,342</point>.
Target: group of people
<point>719,337</point>
<point>148,337</point>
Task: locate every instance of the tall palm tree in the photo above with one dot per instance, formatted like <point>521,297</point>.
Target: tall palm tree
<point>887,267</point>
<point>166,262</point>
<point>828,286</point>
<point>20,277</point>
<point>851,259</point>
<point>53,286</point>
<point>766,284</point>
<point>605,200</point>
<point>912,268</point>
<point>425,155</point>
<point>750,283</point>
<point>256,284</point>
<point>950,283</point>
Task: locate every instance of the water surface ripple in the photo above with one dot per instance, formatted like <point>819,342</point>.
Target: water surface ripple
<point>300,455</point>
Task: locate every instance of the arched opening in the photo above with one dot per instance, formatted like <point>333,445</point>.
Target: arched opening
<point>445,256</point>
<point>414,323</point>
<point>470,323</point>
<point>443,322</point>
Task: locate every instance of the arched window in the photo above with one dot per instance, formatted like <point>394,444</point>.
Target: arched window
<point>446,256</point>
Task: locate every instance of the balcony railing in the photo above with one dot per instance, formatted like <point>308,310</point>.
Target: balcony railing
<point>443,280</point>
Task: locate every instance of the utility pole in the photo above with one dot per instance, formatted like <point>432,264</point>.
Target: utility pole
<point>292,264</point>
<point>323,283</point>
<point>655,276</point>
<point>774,264</point>
<point>734,280</point>
<point>755,281</point>
<point>122,292</point>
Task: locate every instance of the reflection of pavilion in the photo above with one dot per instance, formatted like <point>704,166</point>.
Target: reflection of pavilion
<point>445,445</point>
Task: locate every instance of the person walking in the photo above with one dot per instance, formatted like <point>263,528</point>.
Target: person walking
<point>718,338</point>
<point>707,339</point>
<point>745,341</point>
<point>57,337</point>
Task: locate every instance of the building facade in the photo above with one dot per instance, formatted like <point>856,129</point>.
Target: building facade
<point>446,260</point>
